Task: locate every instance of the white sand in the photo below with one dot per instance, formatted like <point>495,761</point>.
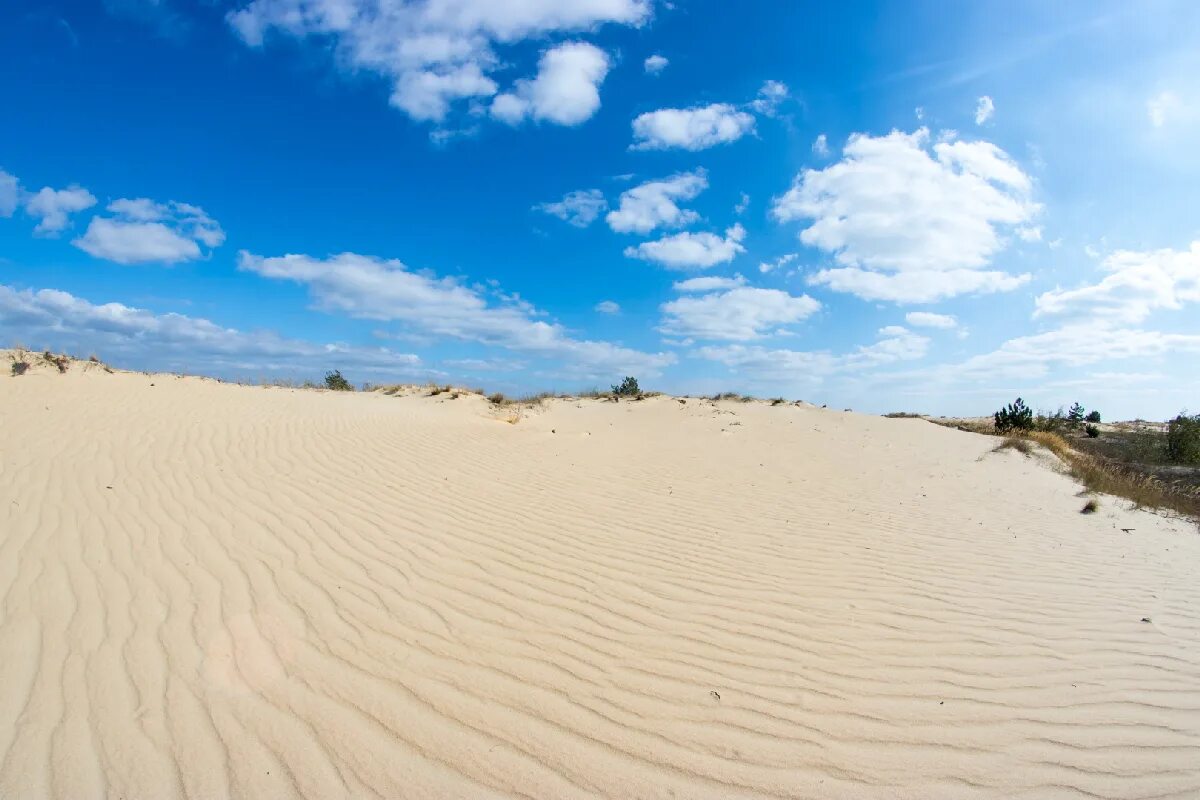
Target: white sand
<point>220,591</point>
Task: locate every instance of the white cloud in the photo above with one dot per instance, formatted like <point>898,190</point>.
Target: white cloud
<point>655,64</point>
<point>566,90</point>
<point>1029,234</point>
<point>608,307</point>
<point>174,341</point>
<point>769,97</point>
<point>577,208</point>
<point>372,288</point>
<point>740,313</point>
<point>925,319</point>
<point>820,146</point>
<point>1037,355</point>
<point>742,204</point>
<point>1163,107</point>
<point>891,206</point>
<point>433,53</point>
<point>926,286</point>
<point>897,345</point>
<point>690,128</point>
<point>1137,284</point>
<point>53,207</point>
<point>708,283</point>
<point>782,261</point>
<point>653,204</point>
<point>10,192</point>
<point>143,231</point>
<point>985,109</point>
<point>691,250</point>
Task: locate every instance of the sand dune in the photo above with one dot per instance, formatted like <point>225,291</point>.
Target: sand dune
<point>220,591</point>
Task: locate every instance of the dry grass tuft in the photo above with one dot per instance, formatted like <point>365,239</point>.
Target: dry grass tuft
<point>1014,443</point>
<point>1090,507</point>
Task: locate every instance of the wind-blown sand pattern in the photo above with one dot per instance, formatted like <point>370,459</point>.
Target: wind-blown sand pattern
<point>220,591</point>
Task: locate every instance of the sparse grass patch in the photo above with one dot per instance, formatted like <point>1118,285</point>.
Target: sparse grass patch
<point>777,401</point>
<point>498,399</point>
<point>1022,446</point>
<point>902,415</point>
<point>1090,507</point>
<point>59,362</point>
<point>20,367</point>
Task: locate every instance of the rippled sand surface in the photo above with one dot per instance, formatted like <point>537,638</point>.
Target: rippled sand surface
<point>215,591</point>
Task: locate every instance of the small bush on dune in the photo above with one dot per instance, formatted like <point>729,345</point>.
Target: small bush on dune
<point>20,367</point>
<point>335,382</point>
<point>627,388</point>
<point>1183,439</point>
<point>498,399</point>
<point>1093,416</point>
<point>1092,431</point>
<point>1090,507</point>
<point>1016,416</point>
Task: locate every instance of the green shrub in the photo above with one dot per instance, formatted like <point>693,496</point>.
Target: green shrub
<point>627,388</point>
<point>335,382</point>
<point>1183,439</point>
<point>1015,416</point>
<point>1092,431</point>
<point>1093,416</point>
<point>20,367</point>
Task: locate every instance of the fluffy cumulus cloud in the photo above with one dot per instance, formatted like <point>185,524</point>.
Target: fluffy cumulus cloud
<point>820,146</point>
<point>690,128</point>
<point>654,204</point>
<point>912,223</point>
<point>176,341</point>
<point>437,52</point>
<point>691,250</point>
<point>926,319</point>
<point>10,193</point>
<point>655,64</point>
<point>566,90</point>
<point>142,231</point>
<point>737,314</point>
<point>372,288</point>
<point>1135,285</point>
<point>53,207</point>
<point>985,109</point>
<point>578,208</point>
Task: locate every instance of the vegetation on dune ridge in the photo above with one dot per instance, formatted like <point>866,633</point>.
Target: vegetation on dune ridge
<point>1118,462</point>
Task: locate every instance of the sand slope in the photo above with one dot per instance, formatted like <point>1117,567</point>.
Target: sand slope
<point>219,591</point>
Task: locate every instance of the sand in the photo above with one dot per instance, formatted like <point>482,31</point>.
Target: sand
<point>211,590</point>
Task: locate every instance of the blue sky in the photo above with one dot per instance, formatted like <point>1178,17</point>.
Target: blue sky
<point>884,206</point>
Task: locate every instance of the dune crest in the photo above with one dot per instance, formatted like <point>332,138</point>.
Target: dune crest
<point>212,590</point>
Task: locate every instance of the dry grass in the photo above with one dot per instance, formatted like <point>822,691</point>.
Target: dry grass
<point>1090,507</point>
<point>1106,477</point>
<point>1014,443</point>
